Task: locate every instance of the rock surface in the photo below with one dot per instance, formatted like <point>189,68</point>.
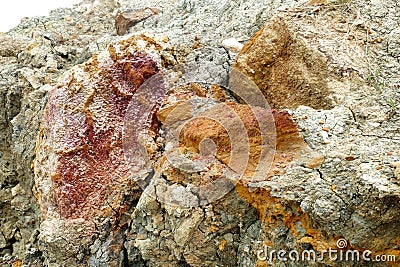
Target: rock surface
<point>82,177</point>
<point>332,66</point>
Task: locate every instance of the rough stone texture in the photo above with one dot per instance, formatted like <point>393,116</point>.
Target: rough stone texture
<point>166,235</point>
<point>335,67</point>
<point>127,19</point>
<point>310,61</point>
<point>33,55</point>
<point>81,174</point>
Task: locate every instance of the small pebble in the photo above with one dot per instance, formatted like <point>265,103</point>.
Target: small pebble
<point>232,44</point>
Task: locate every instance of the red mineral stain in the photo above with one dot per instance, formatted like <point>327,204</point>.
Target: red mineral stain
<point>89,177</point>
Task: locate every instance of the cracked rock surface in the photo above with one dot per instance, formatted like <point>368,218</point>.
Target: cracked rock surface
<point>72,194</point>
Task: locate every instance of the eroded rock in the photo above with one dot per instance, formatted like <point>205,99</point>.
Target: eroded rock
<point>126,19</point>
<point>333,66</point>
<point>82,177</point>
<point>330,200</point>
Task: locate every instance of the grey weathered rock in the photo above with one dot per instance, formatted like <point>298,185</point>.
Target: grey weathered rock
<point>344,61</point>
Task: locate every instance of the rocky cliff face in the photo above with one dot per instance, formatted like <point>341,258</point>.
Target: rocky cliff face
<point>175,145</point>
